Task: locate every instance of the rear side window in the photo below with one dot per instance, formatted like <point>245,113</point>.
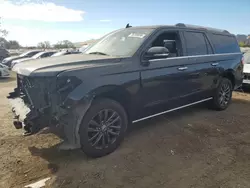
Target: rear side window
<point>32,53</point>
<point>225,44</point>
<point>46,54</point>
<point>197,44</point>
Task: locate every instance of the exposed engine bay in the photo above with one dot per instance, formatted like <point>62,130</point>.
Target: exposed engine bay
<point>40,102</point>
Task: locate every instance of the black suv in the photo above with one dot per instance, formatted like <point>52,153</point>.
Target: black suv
<point>127,76</point>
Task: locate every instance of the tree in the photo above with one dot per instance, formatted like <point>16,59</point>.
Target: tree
<point>3,32</point>
<point>241,44</point>
<point>13,44</point>
<point>3,42</point>
<point>64,44</point>
<point>44,45</point>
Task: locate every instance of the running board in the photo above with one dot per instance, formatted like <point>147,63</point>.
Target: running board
<point>171,110</point>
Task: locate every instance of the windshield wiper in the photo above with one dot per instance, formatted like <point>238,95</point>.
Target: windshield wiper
<point>98,53</point>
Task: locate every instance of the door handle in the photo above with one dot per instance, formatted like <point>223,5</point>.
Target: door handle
<point>182,68</point>
<point>215,64</point>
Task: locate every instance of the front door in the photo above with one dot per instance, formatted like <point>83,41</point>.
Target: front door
<point>170,82</point>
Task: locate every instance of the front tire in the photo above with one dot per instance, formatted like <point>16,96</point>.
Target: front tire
<point>103,127</point>
<point>223,95</point>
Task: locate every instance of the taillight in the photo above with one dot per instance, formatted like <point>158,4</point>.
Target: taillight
<point>242,60</point>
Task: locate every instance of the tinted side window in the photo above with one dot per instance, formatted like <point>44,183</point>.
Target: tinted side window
<point>50,54</point>
<point>225,44</point>
<point>171,41</point>
<point>46,54</point>
<point>209,47</point>
<point>195,43</point>
<point>32,53</point>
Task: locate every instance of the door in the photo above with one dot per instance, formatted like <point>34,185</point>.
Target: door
<point>201,55</point>
<point>167,82</point>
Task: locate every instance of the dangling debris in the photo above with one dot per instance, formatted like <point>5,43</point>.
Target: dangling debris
<point>38,184</point>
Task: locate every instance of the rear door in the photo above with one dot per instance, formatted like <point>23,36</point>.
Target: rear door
<point>200,53</point>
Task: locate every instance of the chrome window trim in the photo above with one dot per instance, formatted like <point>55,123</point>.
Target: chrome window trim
<point>207,55</point>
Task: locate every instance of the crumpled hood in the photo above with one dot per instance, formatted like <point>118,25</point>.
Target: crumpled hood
<point>246,68</point>
<point>53,65</point>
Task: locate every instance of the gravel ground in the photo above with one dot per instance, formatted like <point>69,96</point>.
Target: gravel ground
<point>191,148</point>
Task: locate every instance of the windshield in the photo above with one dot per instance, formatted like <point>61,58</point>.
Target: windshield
<point>59,54</point>
<point>29,53</point>
<point>37,55</point>
<point>247,58</point>
<point>24,54</point>
<point>123,42</point>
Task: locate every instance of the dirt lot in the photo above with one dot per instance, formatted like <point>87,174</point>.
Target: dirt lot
<point>195,147</point>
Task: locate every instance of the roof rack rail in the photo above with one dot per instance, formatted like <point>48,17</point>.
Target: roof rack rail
<point>128,26</point>
<point>200,27</point>
<point>180,25</point>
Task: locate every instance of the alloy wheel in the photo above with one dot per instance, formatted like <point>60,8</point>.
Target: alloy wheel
<point>224,94</point>
<point>104,128</point>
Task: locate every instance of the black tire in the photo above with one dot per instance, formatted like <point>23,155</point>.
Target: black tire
<point>89,129</point>
<point>223,95</point>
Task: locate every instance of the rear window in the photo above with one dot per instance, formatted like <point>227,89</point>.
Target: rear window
<point>225,44</point>
<point>197,43</point>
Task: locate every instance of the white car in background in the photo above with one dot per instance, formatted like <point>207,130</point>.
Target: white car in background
<point>37,56</point>
<point>246,70</point>
<point>4,71</point>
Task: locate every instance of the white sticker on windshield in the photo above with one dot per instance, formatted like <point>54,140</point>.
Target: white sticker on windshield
<point>137,35</point>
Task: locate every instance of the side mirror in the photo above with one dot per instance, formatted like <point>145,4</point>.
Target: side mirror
<point>157,52</point>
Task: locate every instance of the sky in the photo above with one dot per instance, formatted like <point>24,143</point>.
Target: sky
<point>33,21</point>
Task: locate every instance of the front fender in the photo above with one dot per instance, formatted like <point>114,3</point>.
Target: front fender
<point>129,82</point>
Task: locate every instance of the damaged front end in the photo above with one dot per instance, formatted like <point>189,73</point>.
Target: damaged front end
<point>39,102</point>
<point>31,102</point>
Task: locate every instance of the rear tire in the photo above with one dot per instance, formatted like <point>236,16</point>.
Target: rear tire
<point>103,127</point>
<point>223,95</point>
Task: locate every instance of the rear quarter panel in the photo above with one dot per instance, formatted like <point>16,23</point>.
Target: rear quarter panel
<point>230,63</point>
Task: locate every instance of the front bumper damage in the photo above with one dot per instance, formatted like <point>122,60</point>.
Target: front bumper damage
<point>20,112</point>
<point>30,104</point>
<point>36,104</point>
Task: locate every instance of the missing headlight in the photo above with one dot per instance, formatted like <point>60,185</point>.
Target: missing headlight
<point>66,84</point>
